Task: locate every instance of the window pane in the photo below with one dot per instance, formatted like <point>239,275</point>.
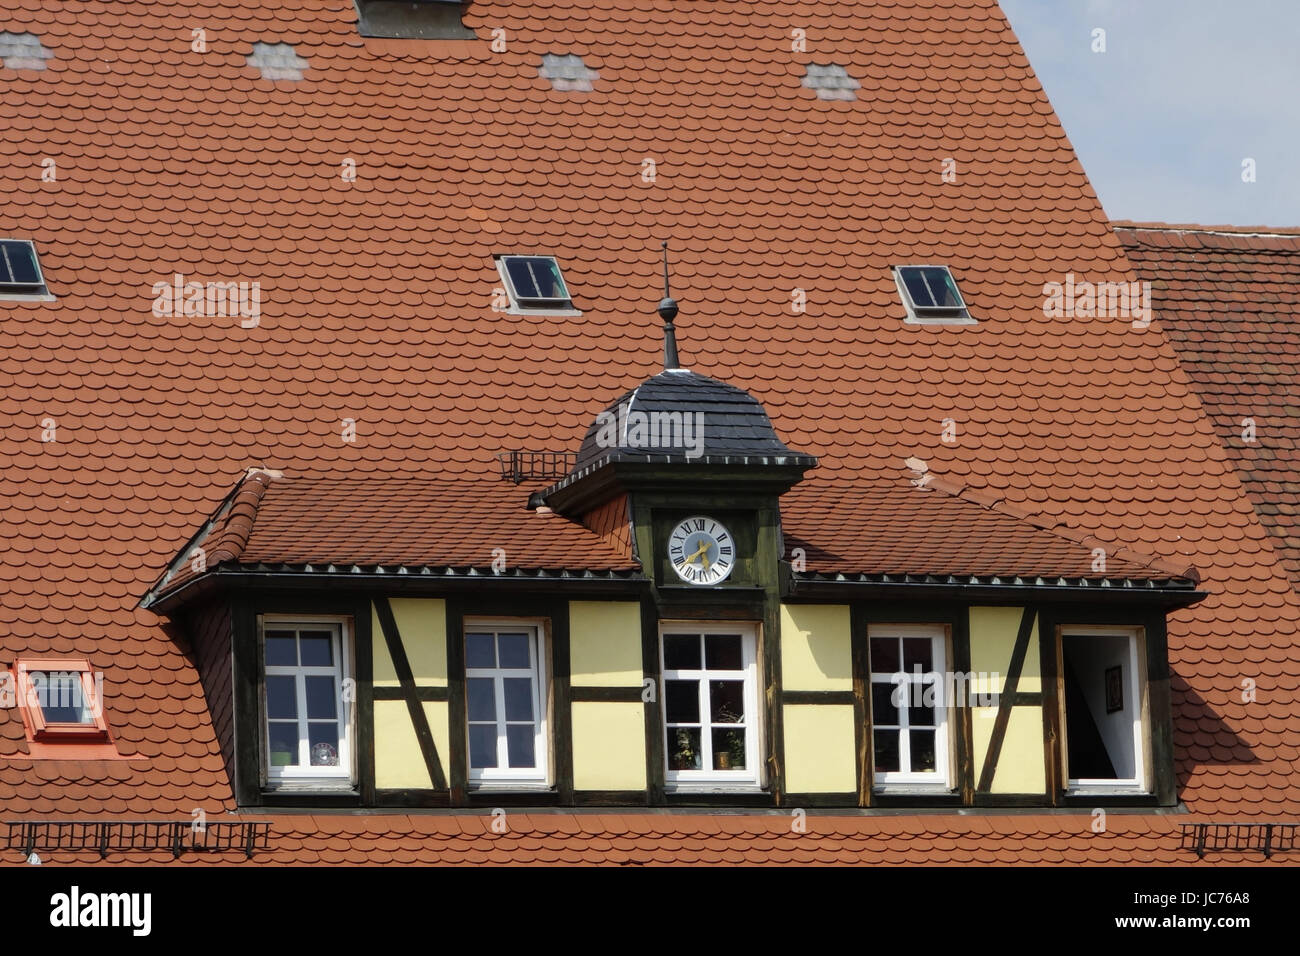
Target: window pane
<point>916,651</point>
<point>729,749</point>
<point>323,740</point>
<point>922,742</point>
<point>479,650</point>
<point>317,648</point>
<point>481,698</point>
<point>24,267</point>
<point>321,698</point>
<point>284,744</point>
<point>883,710</point>
<point>523,278</point>
<point>920,713</point>
<point>942,287</point>
<point>682,701</point>
<point>886,750</point>
<point>519,698</point>
<point>682,652</point>
<point>281,697</point>
<point>482,746</point>
<point>917,287</point>
<point>513,650</point>
<point>519,744</point>
<point>281,649</point>
<point>884,655</point>
<point>722,652</point>
<point>684,748</point>
<point>18,265</point>
<point>727,701</point>
<point>536,278</point>
<point>61,697</point>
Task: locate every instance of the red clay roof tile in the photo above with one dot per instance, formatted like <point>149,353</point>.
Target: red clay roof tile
<point>377,306</point>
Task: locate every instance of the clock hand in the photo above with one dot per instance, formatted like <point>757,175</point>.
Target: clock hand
<point>702,550</point>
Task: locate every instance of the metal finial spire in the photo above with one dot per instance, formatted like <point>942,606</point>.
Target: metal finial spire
<point>668,312</point>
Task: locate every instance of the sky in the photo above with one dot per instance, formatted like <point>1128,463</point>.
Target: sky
<point>1185,92</point>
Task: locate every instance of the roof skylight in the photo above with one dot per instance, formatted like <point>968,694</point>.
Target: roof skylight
<point>20,271</point>
<point>534,284</point>
<point>931,296</point>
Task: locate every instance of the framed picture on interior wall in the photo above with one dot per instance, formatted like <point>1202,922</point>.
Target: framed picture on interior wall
<point>1114,688</point>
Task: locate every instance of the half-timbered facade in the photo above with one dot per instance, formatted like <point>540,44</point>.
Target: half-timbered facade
<point>357,503</point>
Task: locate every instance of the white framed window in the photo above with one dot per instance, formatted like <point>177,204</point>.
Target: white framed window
<point>930,296</point>
<point>534,286</point>
<point>306,714</point>
<point>506,699</point>
<point>910,735</point>
<point>712,731</point>
<point>1104,709</point>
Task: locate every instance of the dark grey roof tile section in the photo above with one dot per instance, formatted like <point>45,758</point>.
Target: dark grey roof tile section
<point>277,61</point>
<point>679,416</point>
<point>23,51</point>
<point>568,73</point>
<point>831,82</point>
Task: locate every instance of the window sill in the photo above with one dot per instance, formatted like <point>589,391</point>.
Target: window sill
<point>343,787</point>
<point>703,787</point>
<point>27,297</point>
<point>543,311</point>
<point>509,786</point>
<point>911,320</point>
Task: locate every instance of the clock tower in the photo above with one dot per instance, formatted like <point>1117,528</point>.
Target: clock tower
<point>699,470</point>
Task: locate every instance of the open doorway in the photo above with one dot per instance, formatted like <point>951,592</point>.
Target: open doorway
<point>1103,700</point>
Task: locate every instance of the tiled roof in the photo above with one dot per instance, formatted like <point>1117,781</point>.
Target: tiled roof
<point>898,529</point>
<point>1229,298</point>
<point>642,839</point>
<point>464,523</point>
<point>123,429</point>
<point>455,523</point>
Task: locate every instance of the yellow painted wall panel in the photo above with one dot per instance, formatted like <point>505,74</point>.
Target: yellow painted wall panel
<point>423,626</point>
<point>608,745</point>
<point>993,633</point>
<point>1020,763</point>
<point>820,750</point>
<point>385,675</point>
<point>605,644</point>
<point>398,761</point>
<point>438,713</point>
<point>816,647</point>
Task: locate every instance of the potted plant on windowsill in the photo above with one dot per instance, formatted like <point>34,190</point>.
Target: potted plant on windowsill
<point>733,756</point>
<point>684,755</point>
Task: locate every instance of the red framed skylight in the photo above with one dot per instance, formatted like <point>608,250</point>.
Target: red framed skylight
<point>58,699</point>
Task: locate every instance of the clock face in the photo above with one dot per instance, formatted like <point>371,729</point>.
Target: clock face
<point>701,550</point>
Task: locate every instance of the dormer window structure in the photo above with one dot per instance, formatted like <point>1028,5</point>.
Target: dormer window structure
<point>534,284</point>
<point>413,19</point>
<point>930,296</point>
<point>20,272</point>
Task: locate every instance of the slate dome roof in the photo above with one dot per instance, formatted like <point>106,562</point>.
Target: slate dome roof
<point>682,416</point>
